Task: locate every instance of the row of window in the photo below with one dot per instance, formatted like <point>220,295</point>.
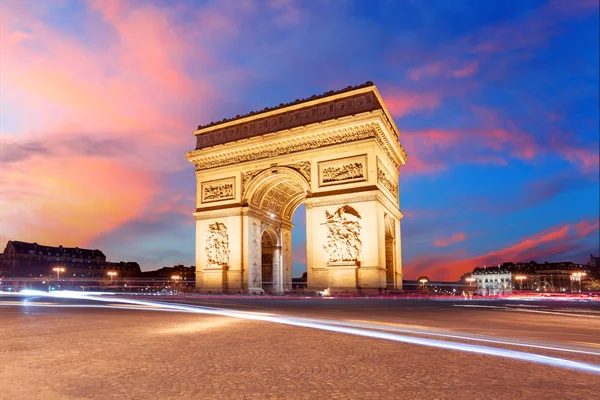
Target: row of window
<point>57,254</point>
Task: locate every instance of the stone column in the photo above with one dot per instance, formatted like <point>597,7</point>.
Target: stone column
<point>277,270</point>
<point>253,250</point>
<point>286,248</point>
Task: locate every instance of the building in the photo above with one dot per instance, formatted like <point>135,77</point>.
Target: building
<point>23,259</point>
<point>492,281</point>
<point>594,266</point>
<point>540,277</point>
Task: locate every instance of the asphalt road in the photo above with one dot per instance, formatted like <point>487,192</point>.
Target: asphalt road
<point>195,348</point>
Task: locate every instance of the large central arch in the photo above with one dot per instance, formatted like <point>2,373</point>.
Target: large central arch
<point>339,154</point>
<point>272,197</point>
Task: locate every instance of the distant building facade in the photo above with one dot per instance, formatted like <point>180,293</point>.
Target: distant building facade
<point>540,277</point>
<point>23,259</point>
<point>594,266</point>
<point>493,281</point>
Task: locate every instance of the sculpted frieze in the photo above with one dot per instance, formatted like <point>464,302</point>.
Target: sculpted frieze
<point>218,190</point>
<point>343,232</point>
<point>303,167</point>
<point>386,182</point>
<point>217,245</point>
<point>350,105</point>
<point>214,192</point>
<point>343,172</point>
<point>287,146</point>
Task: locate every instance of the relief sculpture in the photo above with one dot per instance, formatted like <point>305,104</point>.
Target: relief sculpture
<point>387,182</point>
<point>343,172</point>
<point>217,244</point>
<point>343,231</point>
<point>222,191</point>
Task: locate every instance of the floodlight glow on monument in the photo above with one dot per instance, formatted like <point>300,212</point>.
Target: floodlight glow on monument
<point>339,154</point>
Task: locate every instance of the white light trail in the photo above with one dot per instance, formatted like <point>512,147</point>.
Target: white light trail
<point>333,326</point>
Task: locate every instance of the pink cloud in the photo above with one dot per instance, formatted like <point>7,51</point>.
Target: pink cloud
<point>468,70</point>
<point>426,71</point>
<point>97,121</point>
<point>447,241</point>
<point>401,103</point>
<point>550,242</point>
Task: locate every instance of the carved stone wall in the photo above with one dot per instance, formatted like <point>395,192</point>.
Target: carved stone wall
<point>254,260</point>
<point>385,180</point>
<point>303,167</point>
<point>350,105</point>
<point>288,146</point>
<point>217,245</point>
<point>219,190</point>
<point>343,235</point>
<point>345,170</point>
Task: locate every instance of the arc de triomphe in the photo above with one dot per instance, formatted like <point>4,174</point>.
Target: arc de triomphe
<point>339,154</point>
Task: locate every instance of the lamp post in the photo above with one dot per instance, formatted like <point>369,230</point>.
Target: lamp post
<point>470,280</point>
<point>58,270</point>
<point>176,279</point>
<point>520,279</point>
<point>423,282</point>
<point>112,274</point>
<point>577,276</point>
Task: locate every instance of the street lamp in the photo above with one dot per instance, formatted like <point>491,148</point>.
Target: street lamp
<point>423,282</point>
<point>577,276</point>
<point>112,274</point>
<point>520,279</point>
<point>176,278</point>
<point>58,270</point>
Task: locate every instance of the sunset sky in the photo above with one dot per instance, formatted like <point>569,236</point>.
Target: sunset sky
<point>497,103</point>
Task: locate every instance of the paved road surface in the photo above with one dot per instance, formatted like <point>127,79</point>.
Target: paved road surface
<point>85,349</point>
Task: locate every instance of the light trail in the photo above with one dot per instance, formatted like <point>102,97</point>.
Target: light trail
<point>331,327</point>
<point>520,309</point>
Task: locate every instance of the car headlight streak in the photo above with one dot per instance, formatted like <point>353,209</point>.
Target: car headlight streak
<point>364,330</point>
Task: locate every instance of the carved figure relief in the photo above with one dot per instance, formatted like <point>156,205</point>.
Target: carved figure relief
<point>286,147</point>
<point>217,245</point>
<point>248,176</point>
<point>213,192</point>
<point>222,189</point>
<point>343,232</point>
<point>303,167</point>
<point>343,172</point>
<point>387,183</point>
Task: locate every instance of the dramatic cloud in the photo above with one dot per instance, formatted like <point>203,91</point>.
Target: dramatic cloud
<point>551,242</point>
<point>447,241</point>
<point>99,101</point>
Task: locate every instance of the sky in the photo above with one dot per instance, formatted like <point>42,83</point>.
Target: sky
<point>496,101</point>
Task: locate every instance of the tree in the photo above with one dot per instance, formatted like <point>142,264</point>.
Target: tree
<point>591,284</point>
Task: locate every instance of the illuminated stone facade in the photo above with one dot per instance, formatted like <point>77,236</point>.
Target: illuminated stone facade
<point>340,155</point>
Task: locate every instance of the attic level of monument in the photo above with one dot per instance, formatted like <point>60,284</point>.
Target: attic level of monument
<point>283,105</point>
<point>331,105</point>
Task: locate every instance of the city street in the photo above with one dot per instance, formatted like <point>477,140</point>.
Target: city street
<point>159,347</point>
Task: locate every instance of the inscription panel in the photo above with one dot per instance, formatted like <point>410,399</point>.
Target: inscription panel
<point>218,190</point>
<point>343,170</point>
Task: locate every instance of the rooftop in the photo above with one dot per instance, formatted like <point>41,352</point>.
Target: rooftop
<point>284,105</point>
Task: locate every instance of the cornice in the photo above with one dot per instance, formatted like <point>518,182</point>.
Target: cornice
<point>283,146</point>
<point>309,137</point>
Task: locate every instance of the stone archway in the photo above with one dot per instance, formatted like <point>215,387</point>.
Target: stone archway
<point>339,154</point>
